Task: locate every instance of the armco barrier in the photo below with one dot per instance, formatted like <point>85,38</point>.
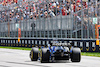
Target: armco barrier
<point>85,45</point>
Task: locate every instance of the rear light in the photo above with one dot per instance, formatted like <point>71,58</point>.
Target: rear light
<point>48,51</point>
<point>65,52</point>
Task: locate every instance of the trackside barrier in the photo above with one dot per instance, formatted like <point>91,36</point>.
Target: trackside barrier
<point>85,45</point>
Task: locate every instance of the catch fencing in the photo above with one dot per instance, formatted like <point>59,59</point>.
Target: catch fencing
<point>51,23</point>
<point>42,21</point>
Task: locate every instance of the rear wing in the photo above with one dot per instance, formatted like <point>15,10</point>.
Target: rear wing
<point>61,44</point>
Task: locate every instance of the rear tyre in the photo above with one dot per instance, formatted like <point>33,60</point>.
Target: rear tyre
<point>45,55</point>
<point>76,55</point>
<point>34,54</point>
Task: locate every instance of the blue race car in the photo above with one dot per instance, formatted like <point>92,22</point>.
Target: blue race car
<point>56,51</point>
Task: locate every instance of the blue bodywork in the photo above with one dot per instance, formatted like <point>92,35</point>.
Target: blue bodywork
<point>53,49</point>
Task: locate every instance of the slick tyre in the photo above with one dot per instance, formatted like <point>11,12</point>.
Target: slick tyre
<point>76,55</point>
<point>34,54</point>
<point>45,55</point>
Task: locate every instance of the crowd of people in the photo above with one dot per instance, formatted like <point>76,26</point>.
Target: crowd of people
<point>16,10</point>
<point>34,9</point>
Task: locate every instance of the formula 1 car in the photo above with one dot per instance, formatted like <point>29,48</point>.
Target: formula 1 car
<point>56,51</point>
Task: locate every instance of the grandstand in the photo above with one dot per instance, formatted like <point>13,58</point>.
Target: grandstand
<point>49,18</point>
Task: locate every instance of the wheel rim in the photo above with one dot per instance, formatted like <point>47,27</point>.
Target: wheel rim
<point>31,55</point>
<point>41,55</point>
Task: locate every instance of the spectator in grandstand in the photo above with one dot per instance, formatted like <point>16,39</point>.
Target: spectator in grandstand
<point>17,17</point>
<point>35,15</point>
<point>27,14</point>
<point>1,18</point>
<point>78,7</point>
<point>32,10</point>
<point>74,6</point>
<point>24,15</point>
<point>67,3</point>
<point>31,15</point>
<point>68,11</point>
<point>41,14</point>
<point>10,17</point>
<point>91,9</point>
<point>64,11</point>
<point>51,13</point>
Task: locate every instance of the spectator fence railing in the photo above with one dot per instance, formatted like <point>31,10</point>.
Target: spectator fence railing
<point>78,25</point>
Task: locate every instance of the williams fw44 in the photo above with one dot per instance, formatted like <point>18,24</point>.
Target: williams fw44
<point>56,51</point>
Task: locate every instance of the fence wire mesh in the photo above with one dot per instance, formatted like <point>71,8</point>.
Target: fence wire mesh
<point>49,18</point>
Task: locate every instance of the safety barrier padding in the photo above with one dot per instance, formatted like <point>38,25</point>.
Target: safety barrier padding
<point>85,45</point>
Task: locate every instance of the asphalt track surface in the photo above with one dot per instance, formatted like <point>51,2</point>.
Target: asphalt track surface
<point>20,58</point>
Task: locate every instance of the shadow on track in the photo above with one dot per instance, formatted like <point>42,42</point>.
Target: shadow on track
<point>26,64</point>
<point>57,61</point>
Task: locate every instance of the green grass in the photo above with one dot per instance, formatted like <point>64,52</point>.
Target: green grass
<point>96,54</point>
<point>19,48</point>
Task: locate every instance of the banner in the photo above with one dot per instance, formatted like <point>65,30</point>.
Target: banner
<point>19,32</point>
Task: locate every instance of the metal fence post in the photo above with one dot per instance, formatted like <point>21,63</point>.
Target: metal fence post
<point>88,21</point>
<point>47,19</point>
<point>82,20</point>
<point>52,27</point>
<point>43,20</point>
<point>56,22</point>
<point>75,19</point>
